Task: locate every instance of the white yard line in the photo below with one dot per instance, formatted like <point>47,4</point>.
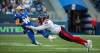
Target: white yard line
<point>77,48</point>
<point>21,44</point>
<point>31,45</point>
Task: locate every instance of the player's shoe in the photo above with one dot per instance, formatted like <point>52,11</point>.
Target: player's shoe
<point>36,43</point>
<point>88,45</point>
<point>51,38</point>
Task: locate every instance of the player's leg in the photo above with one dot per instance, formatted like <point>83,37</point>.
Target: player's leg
<point>30,34</point>
<point>32,37</point>
<point>69,37</point>
<point>46,34</point>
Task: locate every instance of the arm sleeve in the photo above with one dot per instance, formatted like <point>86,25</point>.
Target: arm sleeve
<point>46,25</point>
<point>42,27</point>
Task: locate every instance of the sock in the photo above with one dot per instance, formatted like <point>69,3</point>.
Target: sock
<point>79,40</point>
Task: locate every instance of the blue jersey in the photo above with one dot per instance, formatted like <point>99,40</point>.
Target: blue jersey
<point>23,18</point>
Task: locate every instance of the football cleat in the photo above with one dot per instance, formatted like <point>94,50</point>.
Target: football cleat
<point>36,43</point>
<point>51,38</point>
<point>88,45</point>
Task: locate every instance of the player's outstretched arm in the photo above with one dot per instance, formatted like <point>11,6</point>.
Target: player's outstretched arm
<point>42,27</point>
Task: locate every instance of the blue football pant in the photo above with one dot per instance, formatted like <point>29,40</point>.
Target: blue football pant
<point>44,33</point>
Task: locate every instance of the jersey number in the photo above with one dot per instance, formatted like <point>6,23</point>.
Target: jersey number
<point>26,20</point>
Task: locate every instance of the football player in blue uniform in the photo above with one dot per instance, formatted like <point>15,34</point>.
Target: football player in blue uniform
<point>22,19</point>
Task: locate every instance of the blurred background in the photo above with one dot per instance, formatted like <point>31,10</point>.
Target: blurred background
<point>77,16</point>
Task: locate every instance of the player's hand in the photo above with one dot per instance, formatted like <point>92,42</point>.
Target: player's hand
<point>30,27</point>
<point>17,22</point>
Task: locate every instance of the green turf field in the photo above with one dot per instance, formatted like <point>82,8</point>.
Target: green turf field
<point>21,44</point>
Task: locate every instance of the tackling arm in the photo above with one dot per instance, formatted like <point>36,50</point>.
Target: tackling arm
<point>42,27</point>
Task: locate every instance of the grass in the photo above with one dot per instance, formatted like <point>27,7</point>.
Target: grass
<point>22,44</point>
